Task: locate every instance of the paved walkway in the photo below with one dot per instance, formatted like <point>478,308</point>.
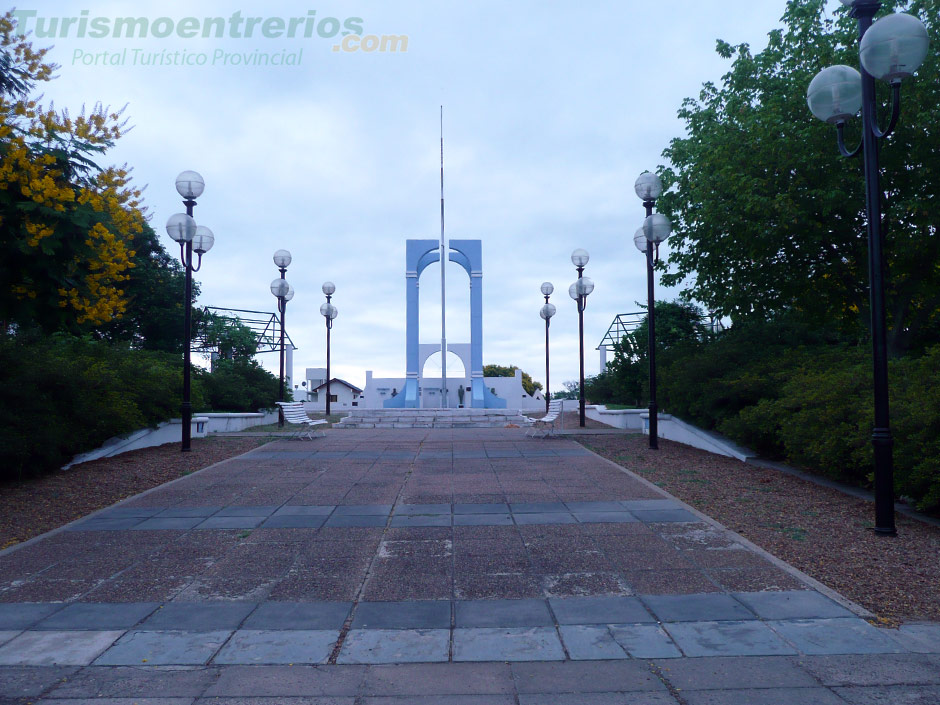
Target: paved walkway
<point>430,566</point>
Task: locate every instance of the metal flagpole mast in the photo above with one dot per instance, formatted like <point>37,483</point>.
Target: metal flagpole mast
<point>443,291</point>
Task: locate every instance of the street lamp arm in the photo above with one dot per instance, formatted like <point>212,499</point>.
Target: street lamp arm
<point>188,263</point>
<point>895,112</point>
<point>840,138</point>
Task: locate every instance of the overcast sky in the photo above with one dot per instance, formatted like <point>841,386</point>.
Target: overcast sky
<point>551,111</point>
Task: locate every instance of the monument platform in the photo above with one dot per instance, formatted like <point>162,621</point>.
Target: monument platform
<point>432,418</point>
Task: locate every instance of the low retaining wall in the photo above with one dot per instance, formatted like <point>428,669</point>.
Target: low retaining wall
<point>670,428</point>
<point>172,432</point>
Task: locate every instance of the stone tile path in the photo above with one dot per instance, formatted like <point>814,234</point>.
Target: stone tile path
<point>444,566</point>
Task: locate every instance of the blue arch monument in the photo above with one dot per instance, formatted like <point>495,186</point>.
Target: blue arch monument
<point>469,255</point>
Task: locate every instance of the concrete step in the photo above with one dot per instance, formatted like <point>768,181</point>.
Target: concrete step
<point>432,418</point>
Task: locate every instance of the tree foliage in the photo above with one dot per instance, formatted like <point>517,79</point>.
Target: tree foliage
<point>528,384</point>
<point>66,226</point>
<point>768,217</point>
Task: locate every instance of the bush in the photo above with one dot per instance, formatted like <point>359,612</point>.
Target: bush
<point>796,394</point>
<point>240,385</point>
<point>64,395</point>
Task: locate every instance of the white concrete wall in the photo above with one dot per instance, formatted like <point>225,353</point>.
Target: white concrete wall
<point>168,432</point>
<point>378,389</point>
<point>345,399</point>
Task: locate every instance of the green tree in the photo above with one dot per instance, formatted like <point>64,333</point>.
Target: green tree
<point>768,217</point>
<point>229,336</point>
<point>153,319</point>
<point>528,384</point>
<point>67,226</point>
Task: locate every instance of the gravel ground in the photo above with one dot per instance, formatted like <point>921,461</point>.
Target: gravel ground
<point>821,531</point>
<point>34,506</point>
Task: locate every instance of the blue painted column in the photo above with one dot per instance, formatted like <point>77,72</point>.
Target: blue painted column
<point>418,255</point>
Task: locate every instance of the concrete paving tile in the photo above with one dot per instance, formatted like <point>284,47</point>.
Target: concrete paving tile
<point>382,510</point>
<point>199,616</point>
<point>599,610</point>
<point>644,640</point>
<point>651,516</point>
<point>650,504</point>
<point>792,604</point>
<point>168,523</point>
<point>696,608</point>
<point>106,524</point>
<point>23,615</point>
<point>576,584</point>
<point>491,519</point>
<point>56,648</point>
<point>507,644</point>
<point>417,614</point>
<point>122,701</point>
<point>835,636</point>
<point>483,508</point>
<point>134,682</point>
<point>298,615</point>
<point>874,669</point>
<point>286,681</point>
<point>7,635</point>
<point>896,695</point>
<point>600,506</point>
<point>727,673</point>
<point>590,642</point>
<point>125,511</point>
<point>918,638</point>
<point>586,677</point>
<point>597,699</point>
<point>355,520</point>
<point>265,646</point>
<point>294,521</point>
<point>407,520</point>
<point>305,510</point>
<point>163,648</point>
<point>231,522</point>
<point>236,510</point>
<point>414,509</point>
<point>670,582</point>
<point>436,679</point>
<point>765,696</point>
<point>31,681</point>
<point>440,700</point>
<point>395,646</point>
<point>604,517</point>
<point>97,616</point>
<point>502,613</point>
<point>537,507</point>
<point>727,639</point>
<point>188,512</point>
<point>544,518</point>
<point>492,586</point>
<point>768,578</point>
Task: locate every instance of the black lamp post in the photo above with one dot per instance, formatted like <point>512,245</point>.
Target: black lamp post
<point>548,310</point>
<point>890,49</point>
<point>284,293</point>
<point>579,291</point>
<point>329,312</point>
<point>182,228</point>
<point>655,230</point>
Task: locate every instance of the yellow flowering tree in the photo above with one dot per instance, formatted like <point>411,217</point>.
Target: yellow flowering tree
<point>67,227</point>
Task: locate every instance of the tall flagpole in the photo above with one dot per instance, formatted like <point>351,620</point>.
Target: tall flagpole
<point>443,297</point>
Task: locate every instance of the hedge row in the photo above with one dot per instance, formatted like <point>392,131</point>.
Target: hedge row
<point>64,395</point>
<point>812,406</point>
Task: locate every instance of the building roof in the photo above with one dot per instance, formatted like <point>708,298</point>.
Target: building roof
<point>336,380</point>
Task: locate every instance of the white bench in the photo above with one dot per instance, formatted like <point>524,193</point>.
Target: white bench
<point>295,414</point>
<point>545,425</point>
